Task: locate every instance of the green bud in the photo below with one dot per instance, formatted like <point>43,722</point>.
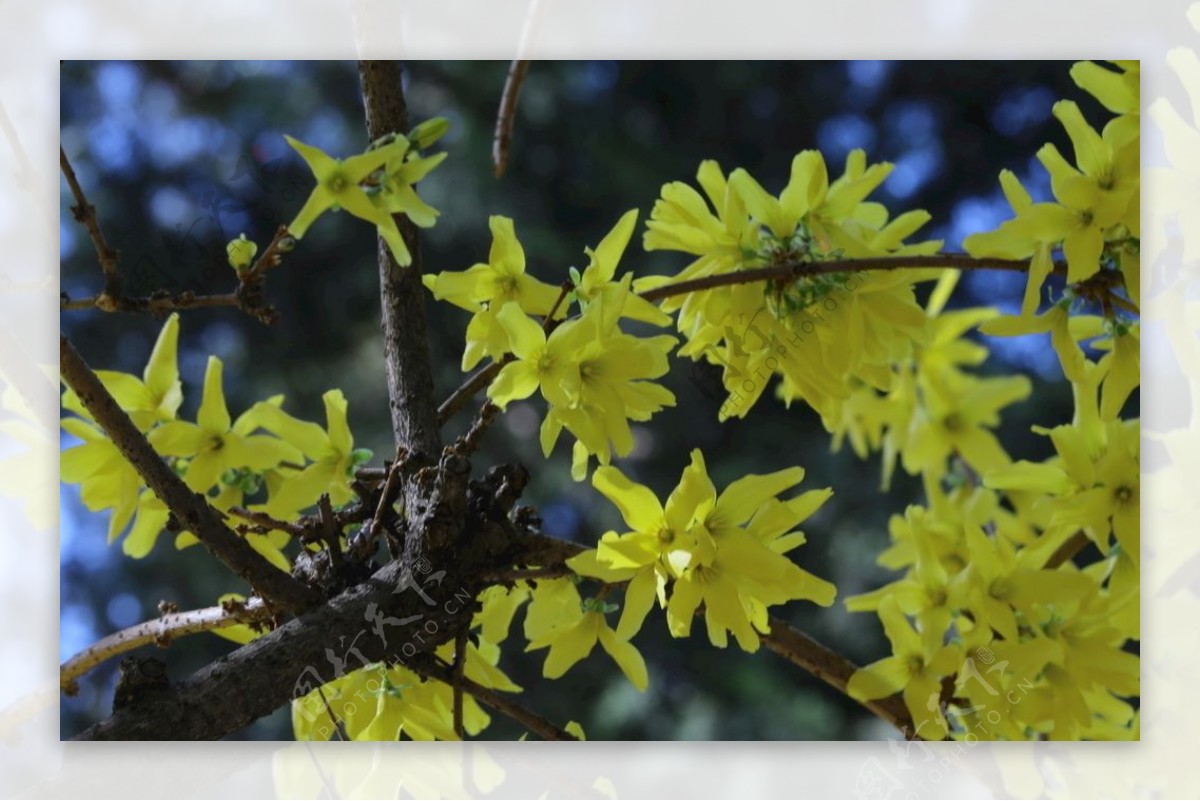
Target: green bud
<point>241,252</point>
<point>250,483</point>
<point>429,132</point>
<point>598,605</point>
<point>382,141</point>
<point>358,456</point>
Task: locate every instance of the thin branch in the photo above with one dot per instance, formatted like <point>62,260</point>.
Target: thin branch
<point>1099,288</point>
<point>338,726</point>
<point>190,508</point>
<point>801,650</point>
<point>85,213</point>
<point>265,522</point>
<point>776,272</point>
<point>372,474</point>
<point>160,631</point>
<point>462,396</point>
<point>391,488</point>
<point>468,443</point>
<point>308,528</point>
<point>282,242</point>
<point>436,669</point>
<point>160,304</point>
<point>506,115</point>
<point>163,303</point>
<point>563,291</point>
<point>792,270</point>
<point>247,297</point>
<point>1067,551</point>
<point>835,670</point>
<point>460,664</point>
<point>525,574</point>
<point>330,531</point>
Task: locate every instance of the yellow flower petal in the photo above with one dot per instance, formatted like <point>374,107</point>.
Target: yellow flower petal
<point>626,656</point>
<point>638,505</point>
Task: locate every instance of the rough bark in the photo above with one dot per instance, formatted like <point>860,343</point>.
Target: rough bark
<point>405,343</point>
<point>471,534</point>
<point>258,678</point>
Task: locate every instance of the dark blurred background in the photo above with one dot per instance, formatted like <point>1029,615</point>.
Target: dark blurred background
<point>179,158</point>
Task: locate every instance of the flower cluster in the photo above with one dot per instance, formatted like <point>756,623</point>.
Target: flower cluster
<point>723,552</point>
<point>990,638</point>
<point>988,575</point>
<point>937,416</point>
<point>996,631</point>
<point>821,332</point>
<point>389,702</point>
<point>375,185</point>
<point>595,377</point>
<point>1095,216</point>
<point>230,461</point>
<point>486,288</point>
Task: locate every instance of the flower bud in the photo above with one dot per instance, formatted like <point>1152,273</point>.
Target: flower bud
<point>241,252</point>
<point>429,132</point>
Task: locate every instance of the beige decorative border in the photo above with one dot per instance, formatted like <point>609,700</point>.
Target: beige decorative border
<point>34,36</point>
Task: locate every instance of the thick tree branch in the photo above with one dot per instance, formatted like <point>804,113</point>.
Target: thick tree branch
<point>85,213</point>
<point>406,345</point>
<point>191,509</point>
<point>293,660</point>
<point>160,631</point>
<point>398,615</point>
<point>547,552</point>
